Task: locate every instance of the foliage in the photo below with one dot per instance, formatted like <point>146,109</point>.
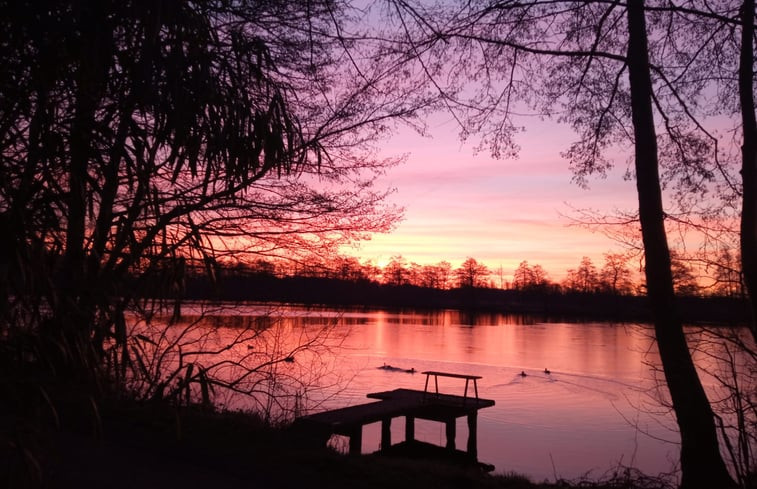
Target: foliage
<point>143,141</point>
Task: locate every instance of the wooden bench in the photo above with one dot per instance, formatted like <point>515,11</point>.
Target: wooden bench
<point>412,404</point>
<point>467,378</point>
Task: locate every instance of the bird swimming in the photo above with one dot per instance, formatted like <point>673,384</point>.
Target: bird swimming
<point>546,371</point>
<point>523,373</point>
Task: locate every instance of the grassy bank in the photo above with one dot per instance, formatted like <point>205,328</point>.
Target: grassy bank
<point>75,442</point>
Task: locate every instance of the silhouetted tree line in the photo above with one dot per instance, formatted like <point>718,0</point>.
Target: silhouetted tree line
<point>585,293</point>
<point>614,277</point>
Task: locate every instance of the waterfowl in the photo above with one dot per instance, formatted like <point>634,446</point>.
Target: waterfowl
<point>546,371</point>
<point>523,373</point>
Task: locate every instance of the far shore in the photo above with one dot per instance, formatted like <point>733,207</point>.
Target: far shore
<point>549,304</point>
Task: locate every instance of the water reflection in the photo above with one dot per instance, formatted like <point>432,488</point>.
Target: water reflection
<point>598,406</point>
<point>574,419</point>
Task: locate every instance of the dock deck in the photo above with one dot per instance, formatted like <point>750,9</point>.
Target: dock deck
<point>407,403</point>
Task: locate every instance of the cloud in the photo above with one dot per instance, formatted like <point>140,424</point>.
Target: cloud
<point>498,211</point>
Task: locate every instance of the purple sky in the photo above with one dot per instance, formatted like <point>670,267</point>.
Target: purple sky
<point>460,204</point>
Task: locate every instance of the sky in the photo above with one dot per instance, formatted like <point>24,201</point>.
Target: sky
<point>460,204</point>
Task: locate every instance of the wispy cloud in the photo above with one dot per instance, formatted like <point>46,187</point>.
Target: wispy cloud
<point>501,212</point>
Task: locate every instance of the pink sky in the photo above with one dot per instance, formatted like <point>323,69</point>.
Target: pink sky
<point>500,212</point>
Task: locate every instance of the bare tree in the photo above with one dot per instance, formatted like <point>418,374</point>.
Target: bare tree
<point>527,277</point>
<point>748,157</point>
<point>347,268</point>
<point>472,274</point>
<point>727,274</point>
<point>433,276</point>
<point>685,280</point>
<point>216,356</point>
<point>728,357</point>
<point>395,272</point>
<point>615,275</point>
<point>597,66</point>
<point>522,276</point>
<point>584,278</point>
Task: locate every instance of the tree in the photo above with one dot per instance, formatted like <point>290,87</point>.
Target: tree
<point>415,274</point>
<point>472,274</point>
<point>684,278</point>
<point>699,444</point>
<point>348,268</point>
<point>526,277</point>
<point>141,140</point>
<point>523,276</point>
<point>500,274</point>
<point>540,277</point>
<point>721,58</point>
<point>444,272</point>
<point>748,232</point>
<point>591,62</point>
<point>395,272</point>
<point>723,61</point>
<point>372,272</point>
<point>727,274</point>
<point>615,275</point>
<point>435,276</point>
<point>585,278</point>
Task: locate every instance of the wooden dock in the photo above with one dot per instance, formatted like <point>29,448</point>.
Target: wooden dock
<point>410,404</point>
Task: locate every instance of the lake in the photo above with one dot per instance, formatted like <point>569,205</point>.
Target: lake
<point>597,408</point>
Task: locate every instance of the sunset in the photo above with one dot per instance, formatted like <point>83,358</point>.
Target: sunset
<point>379,244</point>
<point>461,203</point>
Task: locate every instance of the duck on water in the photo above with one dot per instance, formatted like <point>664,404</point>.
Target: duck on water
<point>397,369</point>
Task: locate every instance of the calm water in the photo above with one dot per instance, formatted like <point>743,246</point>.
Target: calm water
<point>597,408</point>
<point>593,411</point>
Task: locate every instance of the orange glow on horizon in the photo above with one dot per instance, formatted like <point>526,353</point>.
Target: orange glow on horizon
<point>500,212</point>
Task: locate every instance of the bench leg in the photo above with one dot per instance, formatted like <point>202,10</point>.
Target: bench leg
<point>451,426</point>
<point>386,433</point>
<point>473,435</point>
<point>409,428</point>
<point>356,441</point>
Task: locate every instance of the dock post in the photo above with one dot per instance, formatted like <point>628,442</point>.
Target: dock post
<point>356,440</point>
<point>409,428</point>
<point>473,435</point>
<point>386,433</point>
<point>451,425</point>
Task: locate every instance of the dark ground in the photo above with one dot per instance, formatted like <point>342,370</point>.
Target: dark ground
<point>70,444</point>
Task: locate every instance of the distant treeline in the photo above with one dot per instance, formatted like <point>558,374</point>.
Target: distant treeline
<point>613,277</point>
<point>254,284</point>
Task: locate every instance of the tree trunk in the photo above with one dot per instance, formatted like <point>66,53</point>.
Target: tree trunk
<point>74,314</point>
<point>748,160</point>
<point>701,463</point>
